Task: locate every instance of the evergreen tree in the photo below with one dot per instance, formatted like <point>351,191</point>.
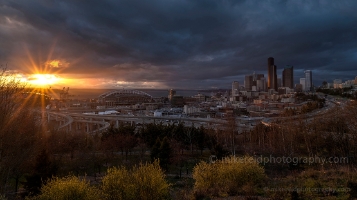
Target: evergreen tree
<point>155,150</point>
<point>43,170</point>
<point>199,139</point>
<point>165,153</point>
<point>220,151</point>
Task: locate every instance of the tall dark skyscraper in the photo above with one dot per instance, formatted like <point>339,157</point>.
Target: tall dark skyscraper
<point>288,77</point>
<point>272,78</point>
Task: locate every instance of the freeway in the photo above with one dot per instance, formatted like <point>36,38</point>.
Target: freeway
<point>105,120</point>
<point>132,117</point>
<point>68,119</point>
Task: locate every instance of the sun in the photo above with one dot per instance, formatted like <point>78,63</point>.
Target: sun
<point>43,79</point>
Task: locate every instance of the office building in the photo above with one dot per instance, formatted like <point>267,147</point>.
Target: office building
<point>288,77</point>
<point>254,88</point>
<point>254,82</point>
<point>248,82</point>
<point>298,87</point>
<point>308,80</point>
<point>272,77</point>
<point>261,84</point>
<point>254,76</point>
<point>235,88</point>
<point>347,84</point>
<point>282,90</point>
<point>302,82</point>
<point>271,91</point>
<point>260,76</point>
<point>356,80</point>
<point>337,83</point>
<point>257,78</point>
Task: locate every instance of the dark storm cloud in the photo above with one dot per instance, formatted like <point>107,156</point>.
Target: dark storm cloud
<point>181,43</point>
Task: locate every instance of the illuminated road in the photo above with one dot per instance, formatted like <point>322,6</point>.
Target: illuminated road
<point>104,121</point>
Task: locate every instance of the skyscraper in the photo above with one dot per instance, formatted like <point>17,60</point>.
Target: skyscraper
<point>256,79</point>
<point>254,83</point>
<point>260,76</point>
<point>235,88</point>
<point>288,77</point>
<point>261,84</point>
<point>302,82</point>
<point>308,80</point>
<point>272,78</point>
<point>248,82</point>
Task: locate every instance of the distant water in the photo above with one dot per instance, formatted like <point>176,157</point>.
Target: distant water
<point>94,93</point>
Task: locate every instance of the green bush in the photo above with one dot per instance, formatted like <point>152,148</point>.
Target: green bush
<point>66,188</point>
<point>146,181</point>
<point>117,184</point>
<point>229,176</point>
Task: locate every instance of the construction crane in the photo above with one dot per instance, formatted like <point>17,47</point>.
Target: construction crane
<point>64,93</point>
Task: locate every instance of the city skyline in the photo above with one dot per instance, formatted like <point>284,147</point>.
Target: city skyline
<point>176,44</point>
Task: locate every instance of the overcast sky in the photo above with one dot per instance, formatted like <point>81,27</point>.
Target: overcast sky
<point>177,43</point>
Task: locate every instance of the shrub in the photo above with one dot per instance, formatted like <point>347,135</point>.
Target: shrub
<point>70,187</point>
<point>229,176</point>
<point>117,184</point>
<point>146,181</point>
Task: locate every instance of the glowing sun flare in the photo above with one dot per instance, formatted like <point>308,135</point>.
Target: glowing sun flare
<point>43,79</point>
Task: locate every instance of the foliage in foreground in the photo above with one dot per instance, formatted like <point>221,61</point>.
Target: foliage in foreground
<point>69,187</point>
<point>146,181</point>
<point>230,176</point>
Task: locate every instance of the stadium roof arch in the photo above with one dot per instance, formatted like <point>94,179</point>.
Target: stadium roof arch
<point>125,92</point>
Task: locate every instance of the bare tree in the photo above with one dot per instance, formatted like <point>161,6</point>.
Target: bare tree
<point>19,130</point>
